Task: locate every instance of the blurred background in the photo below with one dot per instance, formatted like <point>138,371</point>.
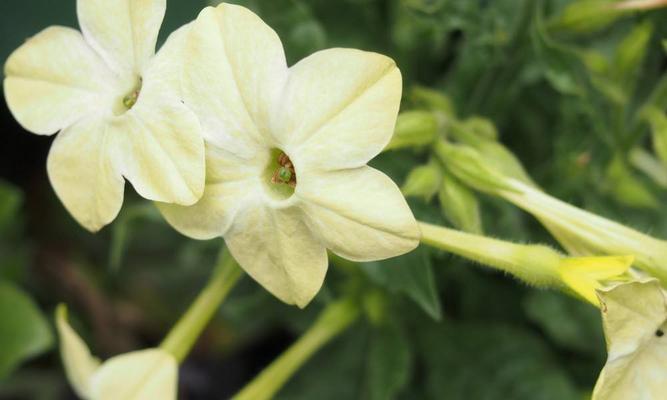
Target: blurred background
<point>562,82</point>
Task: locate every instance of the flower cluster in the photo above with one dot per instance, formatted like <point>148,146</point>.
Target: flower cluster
<point>231,143</point>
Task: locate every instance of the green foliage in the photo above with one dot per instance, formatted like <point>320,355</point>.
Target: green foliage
<point>24,331</point>
<point>410,274</point>
<point>569,95</point>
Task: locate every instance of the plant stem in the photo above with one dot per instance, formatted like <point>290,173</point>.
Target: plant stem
<point>534,264</point>
<point>184,334</point>
<point>335,318</point>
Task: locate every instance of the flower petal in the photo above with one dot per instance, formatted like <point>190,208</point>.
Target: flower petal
<point>277,249</point>
<point>234,73</point>
<point>79,364</point>
<point>123,32</point>
<point>339,108</point>
<point>584,274</point>
<point>634,315</point>
<point>162,77</point>
<point>228,184</point>
<point>145,374</point>
<point>162,151</point>
<point>359,214</point>
<point>83,170</point>
<point>53,80</point>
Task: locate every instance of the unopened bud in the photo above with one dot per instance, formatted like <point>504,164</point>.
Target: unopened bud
<point>459,205</point>
<point>423,181</point>
<point>414,129</point>
<point>431,99</point>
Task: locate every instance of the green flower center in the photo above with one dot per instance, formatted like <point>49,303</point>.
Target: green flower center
<point>280,175</point>
<point>131,98</point>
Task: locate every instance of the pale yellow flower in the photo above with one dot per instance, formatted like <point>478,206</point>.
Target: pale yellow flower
<point>286,161</point>
<point>140,375</point>
<point>635,326</point>
<point>112,99</point>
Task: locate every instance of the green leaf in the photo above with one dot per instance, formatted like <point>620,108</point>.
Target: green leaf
<point>658,122</point>
<point>388,362</point>
<point>411,274</point>
<point>490,361</point>
<point>334,373</point>
<point>568,322</point>
<point>630,54</point>
<point>122,230</point>
<point>24,331</point>
<point>585,16</point>
<point>627,189</point>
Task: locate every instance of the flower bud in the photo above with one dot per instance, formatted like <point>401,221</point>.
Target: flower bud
<point>431,99</point>
<point>459,205</point>
<point>423,181</point>
<point>414,129</point>
<point>470,166</point>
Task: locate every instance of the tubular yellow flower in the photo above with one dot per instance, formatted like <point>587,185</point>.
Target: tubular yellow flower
<point>145,374</point>
<point>116,106</point>
<point>287,152</point>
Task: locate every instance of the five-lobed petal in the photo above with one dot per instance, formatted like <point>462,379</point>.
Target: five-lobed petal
<point>62,80</point>
<point>329,114</point>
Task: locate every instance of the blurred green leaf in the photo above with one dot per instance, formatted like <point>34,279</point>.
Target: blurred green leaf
<point>570,323</point>
<point>411,274</point>
<point>335,372</point>
<point>627,188</point>
<point>630,54</point>
<point>388,362</point>
<point>24,331</point>
<point>122,230</point>
<point>658,120</point>
<point>490,361</point>
<point>585,16</point>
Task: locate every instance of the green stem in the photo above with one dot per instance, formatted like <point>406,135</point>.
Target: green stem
<point>184,334</point>
<point>534,264</point>
<point>335,318</point>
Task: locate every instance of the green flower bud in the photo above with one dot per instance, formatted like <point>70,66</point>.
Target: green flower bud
<point>413,129</point>
<point>431,99</point>
<point>481,127</point>
<point>423,181</point>
<point>459,205</point>
<point>471,167</point>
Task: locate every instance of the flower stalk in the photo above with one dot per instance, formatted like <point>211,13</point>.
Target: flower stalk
<point>184,334</point>
<point>333,320</point>
<point>536,265</point>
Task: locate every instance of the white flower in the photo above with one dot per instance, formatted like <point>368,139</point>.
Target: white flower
<point>140,375</point>
<point>111,98</point>
<point>288,147</point>
<point>635,325</point>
